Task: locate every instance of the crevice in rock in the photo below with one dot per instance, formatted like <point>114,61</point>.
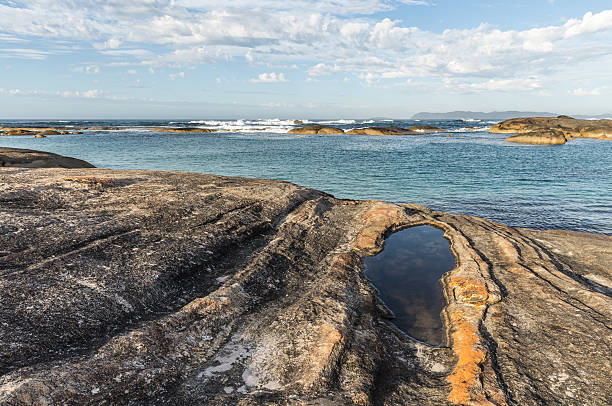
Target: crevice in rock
<point>491,346</point>
<point>185,284</point>
<point>590,285</point>
<point>564,293</point>
<point>491,273</point>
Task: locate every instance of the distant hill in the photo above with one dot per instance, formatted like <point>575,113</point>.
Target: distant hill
<point>598,117</point>
<point>477,115</point>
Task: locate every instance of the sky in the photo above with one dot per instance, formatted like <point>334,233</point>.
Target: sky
<point>302,59</point>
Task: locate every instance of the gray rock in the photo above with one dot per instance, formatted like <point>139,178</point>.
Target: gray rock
<point>27,158</point>
<point>143,287</point>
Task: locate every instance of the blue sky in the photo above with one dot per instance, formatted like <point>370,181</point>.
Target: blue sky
<point>303,59</point>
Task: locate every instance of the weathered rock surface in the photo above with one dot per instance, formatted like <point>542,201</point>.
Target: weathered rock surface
<point>17,131</point>
<point>141,287</point>
<point>184,130</point>
<point>539,137</point>
<point>382,131</point>
<point>49,132</point>
<point>34,131</point>
<point>570,127</point>
<point>316,129</point>
<point>27,158</point>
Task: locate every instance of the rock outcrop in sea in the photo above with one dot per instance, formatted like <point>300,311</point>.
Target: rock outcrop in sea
<point>413,130</point>
<point>36,131</point>
<point>550,128</point>
<point>316,129</point>
<point>146,287</point>
<point>539,137</point>
<point>382,131</point>
<point>27,158</point>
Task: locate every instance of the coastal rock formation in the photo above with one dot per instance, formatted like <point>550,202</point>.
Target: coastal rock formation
<point>17,131</point>
<point>27,158</point>
<point>570,127</point>
<point>49,132</point>
<point>184,130</point>
<point>382,131</point>
<point>316,129</point>
<point>34,131</point>
<point>144,287</point>
<point>539,137</point>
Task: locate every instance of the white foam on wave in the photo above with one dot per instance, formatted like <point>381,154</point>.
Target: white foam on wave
<point>471,120</point>
<point>272,125</point>
<point>341,121</point>
<point>467,130</point>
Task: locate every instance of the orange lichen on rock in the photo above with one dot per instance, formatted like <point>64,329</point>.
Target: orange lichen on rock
<point>92,180</point>
<point>378,220</point>
<point>471,354</point>
<point>469,291</point>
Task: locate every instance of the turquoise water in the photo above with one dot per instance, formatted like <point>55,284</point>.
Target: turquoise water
<point>407,275</point>
<point>566,187</point>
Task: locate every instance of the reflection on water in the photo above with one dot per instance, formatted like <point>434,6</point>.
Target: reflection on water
<point>407,275</point>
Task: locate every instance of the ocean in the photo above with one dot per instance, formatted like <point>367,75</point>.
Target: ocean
<point>473,172</point>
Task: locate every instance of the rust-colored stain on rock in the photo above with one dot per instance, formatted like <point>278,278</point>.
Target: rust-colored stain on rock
<point>471,354</point>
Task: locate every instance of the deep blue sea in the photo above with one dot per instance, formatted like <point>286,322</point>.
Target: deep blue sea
<point>474,172</point>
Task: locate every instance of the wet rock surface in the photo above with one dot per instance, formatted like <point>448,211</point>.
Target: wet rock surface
<point>17,157</point>
<point>143,287</point>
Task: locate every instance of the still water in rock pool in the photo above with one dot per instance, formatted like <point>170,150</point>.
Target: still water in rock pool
<point>407,275</point>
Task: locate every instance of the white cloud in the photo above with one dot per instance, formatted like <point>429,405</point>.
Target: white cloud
<point>272,105</point>
<point>179,75</point>
<point>23,53</point>
<point>269,78</point>
<point>586,92</point>
<point>328,36</point>
<point>132,72</point>
<point>87,94</point>
<point>494,85</point>
<point>89,69</point>
<point>322,69</point>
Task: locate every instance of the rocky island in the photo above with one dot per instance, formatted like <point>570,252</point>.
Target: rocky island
<point>316,129</point>
<point>550,131</point>
<point>148,287</point>
<point>413,130</point>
